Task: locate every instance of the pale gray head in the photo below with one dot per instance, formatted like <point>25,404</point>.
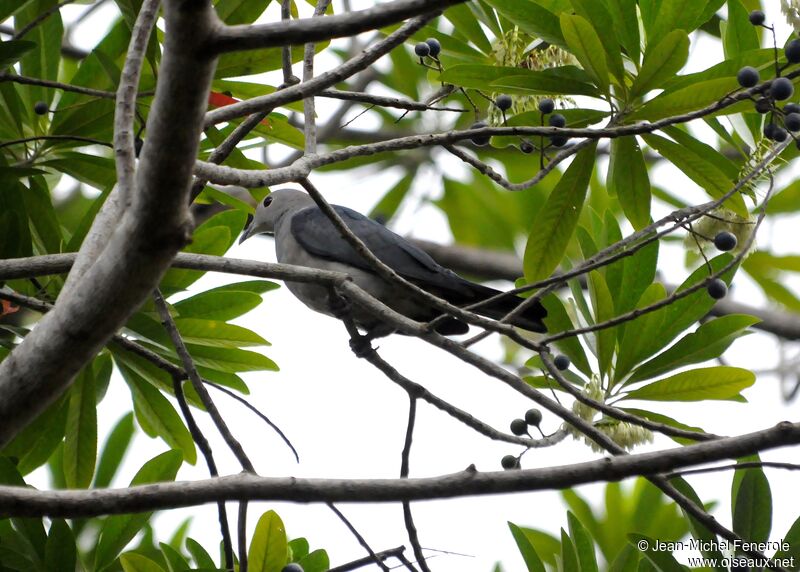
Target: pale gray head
<point>272,208</point>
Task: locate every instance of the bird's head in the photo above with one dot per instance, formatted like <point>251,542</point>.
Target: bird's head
<point>270,210</point>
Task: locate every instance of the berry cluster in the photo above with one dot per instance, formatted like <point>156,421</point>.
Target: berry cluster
<point>519,427</point>
<point>429,48</point>
<point>724,241</point>
<point>780,89</point>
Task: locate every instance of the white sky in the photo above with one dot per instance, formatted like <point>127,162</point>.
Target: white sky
<point>348,420</point>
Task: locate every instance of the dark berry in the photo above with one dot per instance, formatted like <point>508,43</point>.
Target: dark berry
<point>509,462</point>
<point>503,102</point>
<point>763,105</point>
<point>717,289</point>
<point>422,49</point>
<point>793,51</point>
<point>557,120</point>
<point>137,145</point>
<point>769,130</point>
<point>747,76</point>
<point>561,362</point>
<point>546,105</point>
<point>780,134</point>
<point>519,427</point>
<point>292,567</point>
<point>526,147</point>
<point>480,140</point>
<point>792,122</point>
<point>791,108</point>
<point>757,18</point>
<point>558,140</point>
<point>435,46</point>
<point>781,89</point>
<point>725,241</point>
<point>533,417</point>
<point>40,108</point>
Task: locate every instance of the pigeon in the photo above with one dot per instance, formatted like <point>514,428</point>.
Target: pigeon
<point>305,236</point>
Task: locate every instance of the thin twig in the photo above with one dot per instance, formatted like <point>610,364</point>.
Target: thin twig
<point>372,555</point>
<point>197,382</point>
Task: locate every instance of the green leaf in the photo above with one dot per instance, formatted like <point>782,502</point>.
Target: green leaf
<point>230,359</point>
<point>212,333</point>
<point>466,23</point>
<point>41,63</point>
<point>626,560</point>
<point>556,221</point>
<point>199,554</point>
<point>526,549</point>
<point>569,558</point>
<point>636,343</point>
<point>269,550</point>
<point>174,559</point>
<point>663,560</point>
<point>388,205</point>
<point>626,26</point>
<point>752,511</point>
<point>60,552</point>
<point>316,561</point>
<point>80,442</point>
<point>720,382</point>
<point>699,530</point>
<point>559,80</point>
<point>674,15</point>
<point>118,531</point>
<point>532,18</point>
<point>738,35</point>
<point>709,153</point>
<point>133,562</point>
<point>709,341</point>
<point>584,545</point>
<point>598,15</point>
<point>34,445</point>
<point>683,100</point>
<point>792,540</point>
<point>558,320</point>
<point>114,449</point>
<point>628,179</point>
<point>662,62</point>
<point>156,415</point>
<point>12,50</point>
<point>659,418</point>
<point>698,168</point>
<point>219,305</point>
<point>213,237</point>
<point>684,312</point>
<point>234,12</point>
<point>638,273</point>
<point>585,44</point>
<point>603,310</point>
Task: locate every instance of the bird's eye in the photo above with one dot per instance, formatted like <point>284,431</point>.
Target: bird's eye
<point>267,200</point>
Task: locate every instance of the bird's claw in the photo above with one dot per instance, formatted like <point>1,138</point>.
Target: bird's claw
<point>361,345</point>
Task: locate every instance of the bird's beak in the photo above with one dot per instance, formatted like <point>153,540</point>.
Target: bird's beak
<point>248,229</point>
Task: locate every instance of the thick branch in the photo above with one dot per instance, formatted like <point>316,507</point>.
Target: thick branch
<point>295,32</point>
<point>144,243</point>
<point>20,501</point>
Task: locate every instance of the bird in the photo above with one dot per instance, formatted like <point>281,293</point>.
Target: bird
<point>305,236</point>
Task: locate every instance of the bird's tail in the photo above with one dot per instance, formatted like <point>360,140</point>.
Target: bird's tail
<point>531,319</point>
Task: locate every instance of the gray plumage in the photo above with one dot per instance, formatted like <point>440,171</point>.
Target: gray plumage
<point>306,237</point>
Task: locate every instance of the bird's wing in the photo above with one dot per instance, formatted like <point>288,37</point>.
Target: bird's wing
<point>316,234</point>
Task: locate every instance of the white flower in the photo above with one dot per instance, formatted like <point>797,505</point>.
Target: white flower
<point>791,10</point>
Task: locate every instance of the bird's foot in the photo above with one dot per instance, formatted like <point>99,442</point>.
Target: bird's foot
<point>361,345</point>
<point>340,306</point>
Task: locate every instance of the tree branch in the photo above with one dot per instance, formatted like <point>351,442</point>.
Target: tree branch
<point>144,242</point>
<point>295,32</point>
<point>23,501</point>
